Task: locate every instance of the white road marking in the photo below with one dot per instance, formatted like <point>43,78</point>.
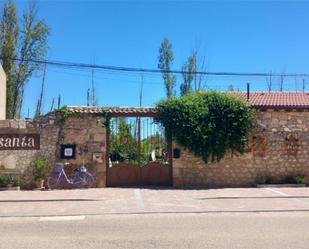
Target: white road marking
<point>62,218</point>
<point>301,200</point>
<point>277,191</point>
<point>139,200</point>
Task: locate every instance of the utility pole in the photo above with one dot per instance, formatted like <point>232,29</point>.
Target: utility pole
<point>88,96</point>
<point>138,123</point>
<point>281,80</point>
<point>248,91</point>
<point>92,88</point>
<point>59,101</point>
<point>141,90</point>
<point>52,105</point>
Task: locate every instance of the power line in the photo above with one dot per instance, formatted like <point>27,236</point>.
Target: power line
<point>147,70</point>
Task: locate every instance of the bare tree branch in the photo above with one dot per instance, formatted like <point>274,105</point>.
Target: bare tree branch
<point>281,80</point>
<point>269,81</point>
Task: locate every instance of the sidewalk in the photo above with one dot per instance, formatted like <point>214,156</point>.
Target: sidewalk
<point>147,200</point>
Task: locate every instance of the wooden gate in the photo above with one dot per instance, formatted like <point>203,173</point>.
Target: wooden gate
<point>139,153</point>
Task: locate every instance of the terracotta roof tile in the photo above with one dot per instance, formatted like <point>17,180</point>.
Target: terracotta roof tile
<point>114,110</point>
<point>297,100</point>
<point>259,100</point>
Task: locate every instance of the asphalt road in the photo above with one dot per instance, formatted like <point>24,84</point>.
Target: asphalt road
<point>212,230</point>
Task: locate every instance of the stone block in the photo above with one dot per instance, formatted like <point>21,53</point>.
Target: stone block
<point>14,124</point>
<point>94,147</point>
<point>22,124</point>
<point>176,173</point>
<point>4,124</point>
<point>9,162</point>
<point>99,137</point>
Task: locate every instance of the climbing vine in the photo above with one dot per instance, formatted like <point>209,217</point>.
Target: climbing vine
<point>67,113</point>
<point>207,123</point>
<point>107,117</point>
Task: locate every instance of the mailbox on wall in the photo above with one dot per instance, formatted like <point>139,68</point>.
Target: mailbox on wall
<point>68,151</point>
<point>176,153</point>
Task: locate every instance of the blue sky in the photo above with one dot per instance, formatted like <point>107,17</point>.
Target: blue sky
<point>234,36</point>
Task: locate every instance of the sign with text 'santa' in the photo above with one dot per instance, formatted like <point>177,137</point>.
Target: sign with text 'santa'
<point>19,141</point>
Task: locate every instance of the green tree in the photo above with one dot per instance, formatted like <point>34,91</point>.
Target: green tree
<point>230,88</point>
<point>9,32</point>
<point>166,58</point>
<point>25,39</point>
<point>192,81</point>
<point>123,144</point>
<point>209,124</point>
<point>188,72</point>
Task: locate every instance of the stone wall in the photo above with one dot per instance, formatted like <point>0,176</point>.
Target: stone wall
<point>20,162</point>
<point>87,132</point>
<point>89,135</point>
<point>280,148</point>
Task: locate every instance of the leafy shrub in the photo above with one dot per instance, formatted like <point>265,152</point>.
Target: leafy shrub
<point>15,180</point>
<point>207,123</point>
<point>9,179</point>
<point>298,179</point>
<point>264,180</point>
<point>40,168</point>
<point>4,180</point>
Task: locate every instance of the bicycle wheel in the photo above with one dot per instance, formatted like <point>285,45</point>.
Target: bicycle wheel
<point>55,181</point>
<point>84,180</point>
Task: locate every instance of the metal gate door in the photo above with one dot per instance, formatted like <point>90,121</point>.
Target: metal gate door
<point>138,152</point>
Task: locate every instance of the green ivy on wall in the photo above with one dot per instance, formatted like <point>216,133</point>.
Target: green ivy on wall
<point>67,113</point>
<point>207,123</point>
<point>107,118</point>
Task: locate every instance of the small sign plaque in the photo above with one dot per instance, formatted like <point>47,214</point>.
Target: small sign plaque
<point>67,151</point>
<point>19,141</point>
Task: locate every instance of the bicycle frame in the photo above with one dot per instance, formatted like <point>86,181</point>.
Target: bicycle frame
<point>62,173</point>
<point>59,173</point>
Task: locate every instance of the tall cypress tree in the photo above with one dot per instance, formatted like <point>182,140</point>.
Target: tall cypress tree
<point>188,71</point>
<point>9,33</point>
<point>166,58</point>
<point>25,39</point>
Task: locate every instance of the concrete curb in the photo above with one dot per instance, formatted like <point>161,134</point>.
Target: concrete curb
<point>281,185</point>
<point>180,212</point>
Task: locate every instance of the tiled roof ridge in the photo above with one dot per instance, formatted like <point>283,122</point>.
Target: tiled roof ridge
<point>107,107</point>
<point>258,99</point>
<point>277,99</point>
<point>114,109</point>
<point>275,92</point>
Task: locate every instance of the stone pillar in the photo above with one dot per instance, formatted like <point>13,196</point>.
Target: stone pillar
<point>101,170</point>
<point>2,94</point>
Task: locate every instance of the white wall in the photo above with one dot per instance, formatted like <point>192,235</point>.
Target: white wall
<point>2,93</point>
